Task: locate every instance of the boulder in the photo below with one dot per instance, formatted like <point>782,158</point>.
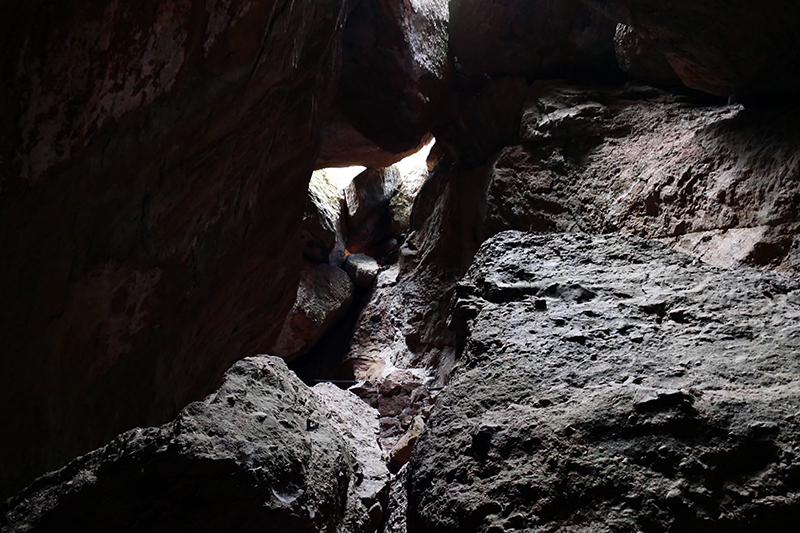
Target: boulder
<point>154,160</point>
<point>260,454</point>
<point>642,61</point>
<point>367,215</point>
<point>362,269</point>
<point>344,146</point>
<point>401,452</point>
<point>486,118</point>
<point>323,232</point>
<point>396,70</point>
<point>609,383</point>
<point>395,521</point>
<point>323,297</point>
<point>536,38</point>
<point>720,46</point>
<point>357,422</point>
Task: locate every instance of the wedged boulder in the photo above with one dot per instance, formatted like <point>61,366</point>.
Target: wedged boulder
<point>260,454</point>
<point>536,38</point>
<point>640,60</point>
<point>362,269</point>
<point>369,486</point>
<point>324,295</point>
<point>609,383</point>
<point>323,233</point>
<point>720,46</point>
<point>396,70</point>
<point>154,158</point>
<point>344,146</point>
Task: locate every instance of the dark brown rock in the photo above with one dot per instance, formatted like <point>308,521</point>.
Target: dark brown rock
<point>536,38</point>
<point>344,146</point>
<point>258,455</point>
<point>154,161</point>
<point>640,60</point>
<point>396,70</point>
<point>720,46</point>
<point>655,393</point>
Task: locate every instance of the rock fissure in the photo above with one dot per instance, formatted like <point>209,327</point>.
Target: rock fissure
<point>524,344</point>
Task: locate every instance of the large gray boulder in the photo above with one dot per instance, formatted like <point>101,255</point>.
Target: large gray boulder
<point>369,487</point>
<point>611,384</point>
<point>260,454</point>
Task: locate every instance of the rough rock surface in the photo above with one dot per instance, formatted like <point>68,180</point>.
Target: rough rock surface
<point>537,38</point>
<point>720,46</point>
<point>258,455</point>
<point>344,146</point>
<point>640,60</point>
<point>395,519</point>
<point>154,158</point>
<point>323,297</point>
<point>367,214</point>
<point>611,384</point>
<point>323,232</point>
<point>721,182</point>
<point>361,268</point>
<point>369,486</point>
<point>401,452</point>
<point>396,70</point>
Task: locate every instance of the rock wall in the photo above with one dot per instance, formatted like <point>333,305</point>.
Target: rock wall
<point>611,384</point>
<point>153,166</point>
<point>722,47</point>
<point>718,181</point>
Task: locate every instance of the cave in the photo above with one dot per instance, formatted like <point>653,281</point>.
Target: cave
<point>382,266</point>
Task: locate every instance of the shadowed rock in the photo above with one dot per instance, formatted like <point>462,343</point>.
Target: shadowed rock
<point>258,455</point>
<point>665,402</point>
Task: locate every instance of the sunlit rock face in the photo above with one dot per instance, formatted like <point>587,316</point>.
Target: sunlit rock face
<point>153,165</point>
<point>721,47</point>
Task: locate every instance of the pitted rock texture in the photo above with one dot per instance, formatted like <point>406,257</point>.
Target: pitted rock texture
<point>537,38</point>
<point>395,520</point>
<point>258,455</point>
<point>720,46</point>
<point>324,295</point>
<point>721,182</point>
<point>369,485</point>
<point>611,384</point>
<point>153,165</point>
